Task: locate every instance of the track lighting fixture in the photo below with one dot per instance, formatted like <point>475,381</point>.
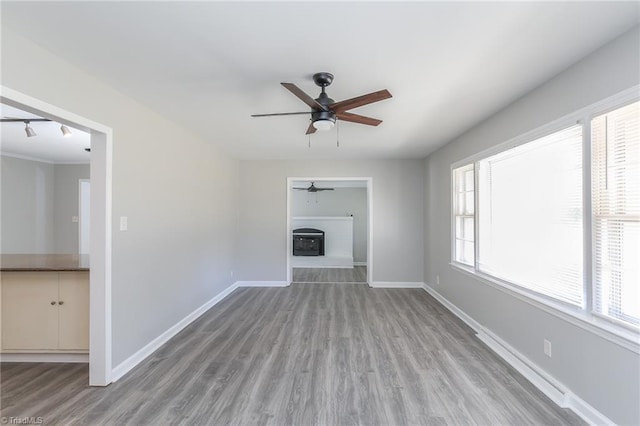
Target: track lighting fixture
<point>30,132</point>
<point>65,131</point>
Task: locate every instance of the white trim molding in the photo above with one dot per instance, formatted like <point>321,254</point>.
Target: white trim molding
<point>546,383</point>
<point>37,357</point>
<point>397,284</point>
<point>261,284</point>
<point>135,359</point>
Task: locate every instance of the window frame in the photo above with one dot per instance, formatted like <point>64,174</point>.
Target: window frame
<point>585,317</point>
<point>591,289</point>
<point>454,207</point>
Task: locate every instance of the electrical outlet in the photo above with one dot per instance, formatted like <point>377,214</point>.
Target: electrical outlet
<point>547,348</point>
<point>231,272</point>
<point>437,279</point>
<point>75,219</point>
<point>124,223</point>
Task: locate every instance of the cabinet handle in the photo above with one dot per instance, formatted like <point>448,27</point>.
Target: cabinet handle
<point>61,302</point>
<point>53,303</point>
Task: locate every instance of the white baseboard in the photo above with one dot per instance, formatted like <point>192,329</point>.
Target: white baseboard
<point>396,284</point>
<point>135,359</point>
<point>262,284</point>
<point>532,372</point>
<point>359,263</point>
<point>546,383</point>
<point>587,412</point>
<point>453,308</point>
<point>62,358</point>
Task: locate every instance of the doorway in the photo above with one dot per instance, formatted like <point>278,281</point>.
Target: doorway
<point>100,226</point>
<point>335,212</point>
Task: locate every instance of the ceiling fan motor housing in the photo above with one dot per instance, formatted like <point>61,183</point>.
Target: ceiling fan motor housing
<point>323,115</point>
<point>319,114</point>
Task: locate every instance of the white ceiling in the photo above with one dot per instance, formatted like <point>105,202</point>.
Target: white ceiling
<point>48,145</point>
<point>210,65</point>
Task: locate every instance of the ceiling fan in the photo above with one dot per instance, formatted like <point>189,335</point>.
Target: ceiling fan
<point>325,111</point>
<point>313,188</point>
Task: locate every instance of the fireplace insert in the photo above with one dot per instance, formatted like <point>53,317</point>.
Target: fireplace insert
<point>308,242</point>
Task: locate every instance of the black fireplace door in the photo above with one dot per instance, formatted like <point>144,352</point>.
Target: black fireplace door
<point>308,242</point>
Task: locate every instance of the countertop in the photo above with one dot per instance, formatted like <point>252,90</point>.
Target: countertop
<point>44,262</point>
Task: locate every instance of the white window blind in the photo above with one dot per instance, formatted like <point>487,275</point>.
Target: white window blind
<point>463,192</point>
<point>530,215</point>
<point>616,213</point>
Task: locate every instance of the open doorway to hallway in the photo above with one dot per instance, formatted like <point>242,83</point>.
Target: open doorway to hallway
<point>329,223</point>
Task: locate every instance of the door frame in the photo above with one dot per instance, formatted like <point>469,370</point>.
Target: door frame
<point>100,226</point>
<point>369,182</point>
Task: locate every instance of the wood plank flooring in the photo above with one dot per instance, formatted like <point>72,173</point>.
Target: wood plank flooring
<point>308,354</point>
<point>357,274</point>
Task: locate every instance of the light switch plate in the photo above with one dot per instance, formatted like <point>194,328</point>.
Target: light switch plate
<point>74,219</point>
<point>124,223</point>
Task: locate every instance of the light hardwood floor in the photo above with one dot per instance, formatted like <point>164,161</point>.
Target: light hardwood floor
<point>326,354</point>
<point>357,274</point>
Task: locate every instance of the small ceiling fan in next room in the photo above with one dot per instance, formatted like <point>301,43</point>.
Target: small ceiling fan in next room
<point>313,188</point>
<point>325,111</point>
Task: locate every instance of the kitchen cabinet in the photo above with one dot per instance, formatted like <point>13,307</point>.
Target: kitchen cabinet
<point>45,311</point>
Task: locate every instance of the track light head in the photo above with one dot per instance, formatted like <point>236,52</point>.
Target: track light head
<point>65,131</point>
<point>30,132</point>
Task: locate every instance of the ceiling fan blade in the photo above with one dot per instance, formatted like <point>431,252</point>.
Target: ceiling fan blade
<point>310,129</point>
<point>324,189</point>
<point>301,189</point>
<point>356,118</point>
<point>360,101</point>
<point>303,96</point>
<point>279,113</point>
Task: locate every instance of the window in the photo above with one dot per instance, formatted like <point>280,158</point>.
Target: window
<point>464,215</point>
<point>530,215</point>
<point>521,219</point>
<point>616,213</point>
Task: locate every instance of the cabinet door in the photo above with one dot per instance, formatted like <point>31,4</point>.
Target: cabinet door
<point>74,310</point>
<point>29,320</point>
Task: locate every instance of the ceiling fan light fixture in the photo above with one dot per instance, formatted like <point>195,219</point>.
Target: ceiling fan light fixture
<point>65,131</point>
<point>323,124</point>
<point>323,120</point>
<point>29,130</point>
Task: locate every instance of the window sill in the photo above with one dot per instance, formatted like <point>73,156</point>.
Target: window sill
<point>619,335</point>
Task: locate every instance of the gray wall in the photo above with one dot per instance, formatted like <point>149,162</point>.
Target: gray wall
<point>177,190</point>
<point>27,190</point>
<point>66,205</point>
<point>397,217</point>
<point>38,202</point>
<point>339,202</point>
<point>602,373</point>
